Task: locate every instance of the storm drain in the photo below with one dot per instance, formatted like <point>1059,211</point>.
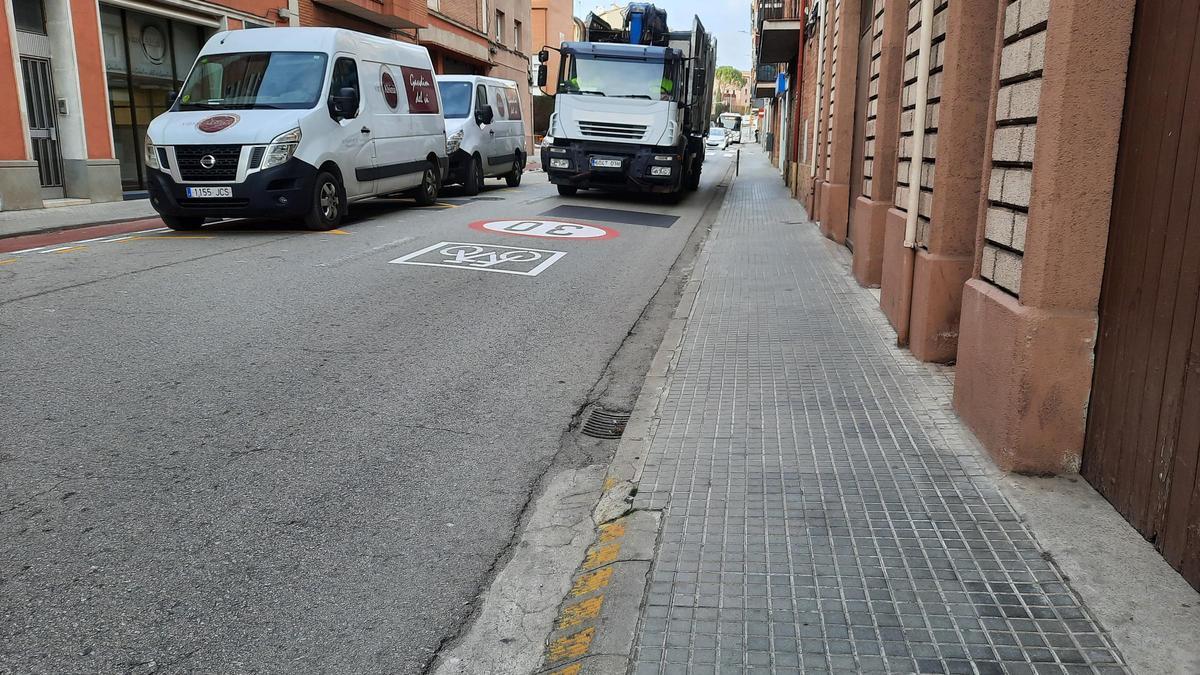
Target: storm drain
<point>604,424</point>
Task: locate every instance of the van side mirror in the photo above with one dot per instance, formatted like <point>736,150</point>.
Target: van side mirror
<point>485,115</point>
<point>543,76</point>
<point>544,56</point>
<point>171,96</point>
<point>343,104</point>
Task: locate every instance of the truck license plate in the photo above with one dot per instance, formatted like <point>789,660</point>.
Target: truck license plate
<point>606,163</point>
<point>209,192</point>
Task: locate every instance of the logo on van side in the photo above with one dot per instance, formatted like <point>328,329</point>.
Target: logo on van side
<point>211,125</point>
<point>418,85</point>
<point>388,85</point>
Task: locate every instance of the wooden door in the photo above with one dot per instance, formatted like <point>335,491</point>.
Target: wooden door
<point>1143,437</point>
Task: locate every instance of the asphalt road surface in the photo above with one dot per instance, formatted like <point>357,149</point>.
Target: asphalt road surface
<point>256,448</point>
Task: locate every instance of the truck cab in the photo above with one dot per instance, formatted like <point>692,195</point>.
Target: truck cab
<point>632,106</point>
<point>617,119</point>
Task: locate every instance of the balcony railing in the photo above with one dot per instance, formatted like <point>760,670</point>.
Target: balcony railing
<point>775,10</point>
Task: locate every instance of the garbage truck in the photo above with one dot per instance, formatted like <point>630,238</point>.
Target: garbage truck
<point>632,107</point>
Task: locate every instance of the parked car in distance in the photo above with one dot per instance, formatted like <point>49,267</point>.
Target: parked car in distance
<point>717,138</point>
<point>296,122</point>
<point>485,135</point>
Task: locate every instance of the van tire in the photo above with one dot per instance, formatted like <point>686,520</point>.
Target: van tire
<point>473,181</point>
<point>183,223</point>
<point>567,190</point>
<point>513,178</point>
<point>426,193</point>
<point>328,203</point>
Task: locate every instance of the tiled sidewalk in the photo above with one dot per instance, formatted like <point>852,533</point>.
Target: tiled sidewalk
<point>823,510</point>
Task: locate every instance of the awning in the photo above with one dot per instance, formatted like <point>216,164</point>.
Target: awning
<point>367,13</point>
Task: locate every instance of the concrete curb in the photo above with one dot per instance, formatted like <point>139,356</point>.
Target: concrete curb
<point>597,623</point>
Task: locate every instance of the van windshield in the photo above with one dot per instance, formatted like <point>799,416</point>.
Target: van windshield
<point>284,80</point>
<point>456,99</point>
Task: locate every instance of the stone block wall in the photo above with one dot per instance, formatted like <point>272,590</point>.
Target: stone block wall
<point>872,112</point>
<point>1018,96</point>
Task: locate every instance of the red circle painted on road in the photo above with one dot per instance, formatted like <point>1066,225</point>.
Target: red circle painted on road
<point>545,229</point>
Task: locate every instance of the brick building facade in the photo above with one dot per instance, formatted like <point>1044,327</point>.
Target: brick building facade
<point>1015,177</point>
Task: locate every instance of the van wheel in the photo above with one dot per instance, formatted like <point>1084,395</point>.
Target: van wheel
<point>328,205</point>
<point>473,181</point>
<point>183,223</point>
<point>513,178</point>
<point>427,192</point>
<point>567,190</point>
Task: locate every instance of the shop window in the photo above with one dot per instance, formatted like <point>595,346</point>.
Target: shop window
<point>29,16</point>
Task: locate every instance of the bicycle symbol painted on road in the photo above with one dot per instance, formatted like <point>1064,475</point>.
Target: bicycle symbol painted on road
<point>528,262</point>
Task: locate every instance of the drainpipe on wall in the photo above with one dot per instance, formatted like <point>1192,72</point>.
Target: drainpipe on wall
<point>918,139</point>
<point>799,98</point>
<point>820,81</point>
<point>916,163</point>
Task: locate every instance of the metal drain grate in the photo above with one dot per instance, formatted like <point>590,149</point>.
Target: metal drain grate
<point>604,424</point>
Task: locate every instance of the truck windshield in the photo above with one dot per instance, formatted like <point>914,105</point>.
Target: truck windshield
<point>619,78</point>
<point>456,99</point>
<point>286,80</point>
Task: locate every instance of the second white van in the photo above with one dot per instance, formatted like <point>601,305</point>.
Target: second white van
<point>297,123</point>
<point>485,131</point>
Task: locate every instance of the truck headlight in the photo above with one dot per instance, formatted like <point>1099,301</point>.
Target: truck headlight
<point>281,149</point>
<point>454,142</point>
<point>560,163</point>
<point>558,151</point>
<point>665,158</point>
<point>151,154</point>
<point>660,171</point>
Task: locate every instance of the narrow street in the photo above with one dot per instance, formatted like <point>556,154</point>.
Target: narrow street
<point>256,448</point>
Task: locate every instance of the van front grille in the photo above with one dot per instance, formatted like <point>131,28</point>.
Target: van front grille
<point>612,130</point>
<point>225,162</point>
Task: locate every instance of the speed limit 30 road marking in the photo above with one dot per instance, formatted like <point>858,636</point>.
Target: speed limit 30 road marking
<point>545,229</point>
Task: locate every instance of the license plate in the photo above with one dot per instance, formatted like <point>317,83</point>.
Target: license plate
<point>602,163</point>
<point>209,192</point>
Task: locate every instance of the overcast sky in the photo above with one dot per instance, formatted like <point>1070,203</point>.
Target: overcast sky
<point>729,20</point>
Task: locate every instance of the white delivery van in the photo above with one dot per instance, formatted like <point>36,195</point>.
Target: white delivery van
<point>296,123</point>
<point>484,130</point>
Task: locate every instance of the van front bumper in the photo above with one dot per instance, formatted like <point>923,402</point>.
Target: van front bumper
<point>284,191</point>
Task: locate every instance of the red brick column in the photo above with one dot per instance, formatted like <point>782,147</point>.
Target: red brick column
<point>872,206</point>
<point>1029,317</point>
<point>835,202</point>
<point>946,260</point>
<point>20,185</point>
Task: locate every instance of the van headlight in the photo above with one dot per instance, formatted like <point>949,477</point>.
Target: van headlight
<point>151,151</point>
<point>281,149</point>
<point>454,142</point>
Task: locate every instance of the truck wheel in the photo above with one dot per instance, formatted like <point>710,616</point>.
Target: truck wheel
<point>328,205</point>
<point>513,178</point>
<point>473,181</point>
<point>567,190</point>
<point>427,192</point>
<point>183,223</point>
